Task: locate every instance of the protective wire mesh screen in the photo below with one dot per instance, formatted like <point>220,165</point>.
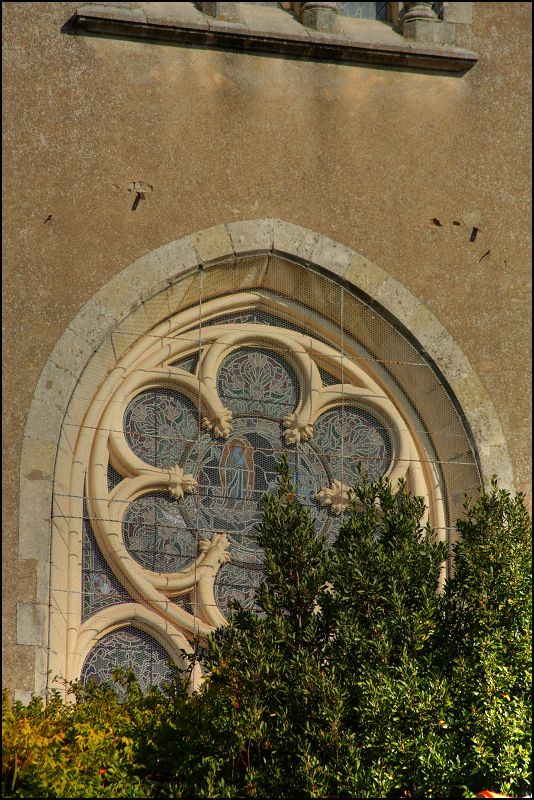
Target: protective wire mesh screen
<point>100,587</point>
<point>260,385</point>
<point>129,649</point>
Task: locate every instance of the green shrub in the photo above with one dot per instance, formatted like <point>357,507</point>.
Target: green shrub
<point>358,678</point>
<point>83,748</point>
<point>376,684</point>
<point>486,642</point>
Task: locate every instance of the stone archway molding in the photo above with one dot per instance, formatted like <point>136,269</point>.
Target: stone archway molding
<point>143,295</point>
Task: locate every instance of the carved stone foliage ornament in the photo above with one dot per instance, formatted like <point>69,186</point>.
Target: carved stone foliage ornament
<point>184,437</point>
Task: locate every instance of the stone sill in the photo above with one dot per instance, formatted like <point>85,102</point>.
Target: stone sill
<point>371,43</point>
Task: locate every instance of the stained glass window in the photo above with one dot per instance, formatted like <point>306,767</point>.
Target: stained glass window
<point>161,426</point>
<point>234,475</point>
<point>350,437</point>
<point>262,387</point>
<point>100,587</point>
<point>259,381</point>
<point>158,425</point>
<point>156,535</point>
<point>127,648</point>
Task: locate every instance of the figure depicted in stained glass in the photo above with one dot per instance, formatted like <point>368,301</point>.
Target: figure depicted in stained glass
<point>237,470</point>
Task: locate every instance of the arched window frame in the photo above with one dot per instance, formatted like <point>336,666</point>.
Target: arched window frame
<point>160,281</point>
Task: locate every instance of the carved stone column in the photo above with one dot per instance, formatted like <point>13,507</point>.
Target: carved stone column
<point>320,16</point>
<point>413,11</point>
<point>419,21</point>
<point>227,11</point>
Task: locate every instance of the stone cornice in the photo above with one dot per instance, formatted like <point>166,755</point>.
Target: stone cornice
<point>297,41</point>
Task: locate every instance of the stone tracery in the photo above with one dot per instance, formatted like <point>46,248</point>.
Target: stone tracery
<point>212,451</point>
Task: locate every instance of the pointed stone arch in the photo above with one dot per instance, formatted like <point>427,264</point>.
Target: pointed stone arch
<point>270,254</point>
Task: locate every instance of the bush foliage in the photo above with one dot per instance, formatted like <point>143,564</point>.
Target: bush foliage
<point>359,677</point>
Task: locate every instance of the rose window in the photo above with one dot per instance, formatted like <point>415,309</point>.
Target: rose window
<point>187,447</point>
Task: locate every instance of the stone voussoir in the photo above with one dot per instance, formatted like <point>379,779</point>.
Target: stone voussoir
<point>213,244</point>
<point>398,300</point>
<point>44,421</point>
<point>292,240</point>
<point>71,352</point>
<point>485,426</point>
<point>34,519</point>
<point>331,255</point>
<point>94,321</point>
<point>364,275</point>
<point>251,236</point>
<point>497,462</point>
<point>119,296</point>
<point>55,385</point>
<point>37,460</point>
<point>174,260</point>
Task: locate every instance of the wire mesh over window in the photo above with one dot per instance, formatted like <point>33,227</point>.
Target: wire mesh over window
<point>319,340</point>
<point>100,587</point>
<point>128,649</point>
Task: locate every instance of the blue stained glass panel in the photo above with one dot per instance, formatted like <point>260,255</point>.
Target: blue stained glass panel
<point>158,424</point>
<point>127,648</point>
<point>100,587</point>
<point>255,380</point>
<point>233,478</point>
<point>189,363</point>
<point>349,437</point>
<point>156,535</point>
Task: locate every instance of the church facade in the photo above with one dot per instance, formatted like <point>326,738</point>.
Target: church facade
<point>237,230</point>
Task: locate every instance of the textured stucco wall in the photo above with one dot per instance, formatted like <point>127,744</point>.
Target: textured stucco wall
<point>366,156</point>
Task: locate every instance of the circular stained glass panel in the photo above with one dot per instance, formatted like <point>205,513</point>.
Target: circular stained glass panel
<point>251,380</point>
<point>158,425</point>
<point>349,437</point>
<point>156,535</point>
